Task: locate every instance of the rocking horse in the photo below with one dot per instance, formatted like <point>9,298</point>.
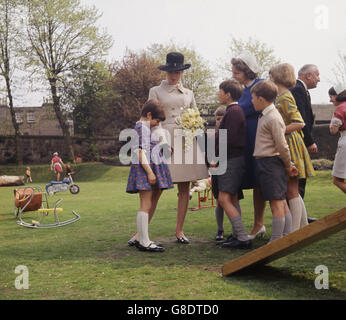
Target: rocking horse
<point>34,199</point>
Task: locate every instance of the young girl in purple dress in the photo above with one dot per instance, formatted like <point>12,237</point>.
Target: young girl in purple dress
<point>149,174</point>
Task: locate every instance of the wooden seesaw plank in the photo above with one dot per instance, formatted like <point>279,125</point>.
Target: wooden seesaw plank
<point>311,233</point>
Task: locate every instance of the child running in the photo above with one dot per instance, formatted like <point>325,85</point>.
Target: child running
<point>149,174</point>
<point>57,164</point>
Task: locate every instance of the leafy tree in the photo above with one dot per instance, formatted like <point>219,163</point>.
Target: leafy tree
<point>132,78</point>
<point>62,35</point>
<point>88,92</point>
<point>264,54</point>
<point>10,35</point>
<point>200,78</point>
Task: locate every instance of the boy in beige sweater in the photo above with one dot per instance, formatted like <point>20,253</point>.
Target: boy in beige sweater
<point>273,160</point>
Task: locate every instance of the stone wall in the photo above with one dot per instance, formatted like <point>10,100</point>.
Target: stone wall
<point>323,112</point>
<point>326,142</point>
<point>39,149</point>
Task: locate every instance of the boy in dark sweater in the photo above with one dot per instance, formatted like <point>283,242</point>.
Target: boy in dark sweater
<point>229,183</point>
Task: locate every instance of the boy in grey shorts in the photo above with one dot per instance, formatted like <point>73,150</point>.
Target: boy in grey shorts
<point>228,184</point>
<point>273,159</point>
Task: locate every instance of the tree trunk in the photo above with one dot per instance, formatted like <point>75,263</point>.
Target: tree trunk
<point>7,7</point>
<point>61,119</point>
<point>17,134</point>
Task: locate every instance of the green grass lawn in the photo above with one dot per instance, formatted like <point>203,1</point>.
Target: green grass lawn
<point>90,259</point>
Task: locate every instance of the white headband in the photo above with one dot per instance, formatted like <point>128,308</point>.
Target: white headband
<point>340,87</point>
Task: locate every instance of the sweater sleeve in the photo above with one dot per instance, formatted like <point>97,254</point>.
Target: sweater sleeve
<point>278,132</point>
<point>152,94</point>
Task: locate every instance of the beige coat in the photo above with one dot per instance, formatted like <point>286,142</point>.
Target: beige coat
<point>174,99</point>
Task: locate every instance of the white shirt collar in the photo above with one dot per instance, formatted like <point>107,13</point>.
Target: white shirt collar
<point>172,87</point>
<point>306,88</point>
<point>250,84</point>
<point>268,109</point>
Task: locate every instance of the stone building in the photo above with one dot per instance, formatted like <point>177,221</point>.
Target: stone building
<point>33,121</point>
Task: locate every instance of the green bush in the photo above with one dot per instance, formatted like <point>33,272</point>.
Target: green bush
<point>322,164</point>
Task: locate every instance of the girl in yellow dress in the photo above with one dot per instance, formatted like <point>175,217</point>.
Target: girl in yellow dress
<point>284,77</point>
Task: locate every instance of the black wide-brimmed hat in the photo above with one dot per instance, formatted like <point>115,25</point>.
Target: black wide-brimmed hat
<point>174,62</point>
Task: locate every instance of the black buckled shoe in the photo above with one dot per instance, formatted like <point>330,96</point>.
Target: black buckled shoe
<point>311,220</point>
<point>237,244</point>
<point>133,242</point>
<point>228,243</point>
<point>228,239</point>
<point>152,247</point>
<point>183,240</point>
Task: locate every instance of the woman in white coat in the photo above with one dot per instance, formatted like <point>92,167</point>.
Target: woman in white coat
<point>175,98</point>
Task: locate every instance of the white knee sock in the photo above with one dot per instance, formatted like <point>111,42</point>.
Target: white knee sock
<point>142,228</point>
<point>304,220</point>
<point>296,212</point>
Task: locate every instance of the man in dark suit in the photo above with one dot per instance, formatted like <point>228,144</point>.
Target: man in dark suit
<point>308,78</point>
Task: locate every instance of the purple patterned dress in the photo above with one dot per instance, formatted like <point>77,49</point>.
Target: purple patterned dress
<point>138,179</point>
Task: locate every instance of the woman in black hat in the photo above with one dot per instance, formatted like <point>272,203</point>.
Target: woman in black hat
<point>175,98</point>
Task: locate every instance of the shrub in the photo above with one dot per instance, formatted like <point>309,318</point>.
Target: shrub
<point>322,164</point>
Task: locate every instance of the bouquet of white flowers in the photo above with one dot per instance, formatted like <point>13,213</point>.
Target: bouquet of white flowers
<point>191,122</point>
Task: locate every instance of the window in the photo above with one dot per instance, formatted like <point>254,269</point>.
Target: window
<point>30,117</point>
<point>19,117</point>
